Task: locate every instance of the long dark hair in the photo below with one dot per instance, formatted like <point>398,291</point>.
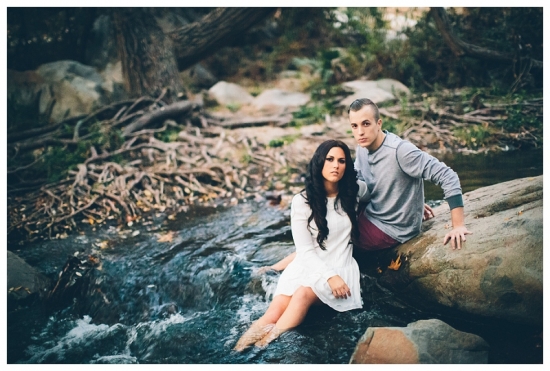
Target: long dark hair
<point>317,195</point>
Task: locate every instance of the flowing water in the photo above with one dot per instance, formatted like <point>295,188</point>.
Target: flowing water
<point>188,298</point>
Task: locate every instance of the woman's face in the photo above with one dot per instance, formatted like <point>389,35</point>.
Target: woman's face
<point>335,165</point>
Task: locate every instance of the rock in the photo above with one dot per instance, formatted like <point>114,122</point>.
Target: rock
<point>24,282</point>
<point>277,100</point>
<point>23,89</point>
<point>72,89</point>
<point>227,93</point>
<point>198,76</point>
<point>393,86</point>
<point>64,89</point>
<point>422,342</point>
<point>378,91</point>
<point>498,272</point>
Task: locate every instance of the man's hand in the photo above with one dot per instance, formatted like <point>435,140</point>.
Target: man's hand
<point>457,237</point>
<point>339,288</point>
<point>428,213</point>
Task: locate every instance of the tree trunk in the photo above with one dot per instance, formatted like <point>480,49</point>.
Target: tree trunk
<point>218,28</point>
<point>151,61</point>
<point>147,55</point>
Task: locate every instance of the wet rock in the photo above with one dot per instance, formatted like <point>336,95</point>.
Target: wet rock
<point>422,342</point>
<point>498,272</point>
<point>24,282</point>
<point>227,93</point>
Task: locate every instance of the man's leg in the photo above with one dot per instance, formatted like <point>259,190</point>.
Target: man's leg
<point>371,238</point>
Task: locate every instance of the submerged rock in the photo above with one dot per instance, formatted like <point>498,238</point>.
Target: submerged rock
<point>427,341</point>
<point>497,273</point>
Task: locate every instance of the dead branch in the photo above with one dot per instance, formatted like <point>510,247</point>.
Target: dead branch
<point>161,114</point>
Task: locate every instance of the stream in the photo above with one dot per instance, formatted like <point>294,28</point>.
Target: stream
<point>188,298</point>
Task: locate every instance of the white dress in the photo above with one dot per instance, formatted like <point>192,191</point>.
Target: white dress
<point>313,266</point>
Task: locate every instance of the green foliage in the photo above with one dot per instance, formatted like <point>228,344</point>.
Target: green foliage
<point>38,35</point>
<point>168,135</point>
<point>309,114</point>
<point>518,115</point>
<point>233,107</point>
<point>58,160</point>
<point>474,136</point>
<point>501,29</point>
<point>246,158</point>
<point>287,139</point>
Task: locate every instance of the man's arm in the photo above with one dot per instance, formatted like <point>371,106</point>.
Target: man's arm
<point>457,235</point>
<point>419,164</point>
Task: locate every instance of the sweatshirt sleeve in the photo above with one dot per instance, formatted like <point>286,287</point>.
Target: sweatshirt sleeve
<point>419,164</point>
<point>305,245</point>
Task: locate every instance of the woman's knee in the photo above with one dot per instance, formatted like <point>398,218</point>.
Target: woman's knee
<point>305,294</point>
<point>276,308</point>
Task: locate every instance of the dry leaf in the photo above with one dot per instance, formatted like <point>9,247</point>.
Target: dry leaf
<point>168,237</point>
<point>395,264</point>
<point>103,244</point>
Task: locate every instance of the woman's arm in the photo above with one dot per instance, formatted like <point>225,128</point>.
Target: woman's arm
<point>283,263</point>
<point>303,240</point>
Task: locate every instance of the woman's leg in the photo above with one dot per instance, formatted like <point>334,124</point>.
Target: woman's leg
<point>262,326</point>
<point>293,315</point>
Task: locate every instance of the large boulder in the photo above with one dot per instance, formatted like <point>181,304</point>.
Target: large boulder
<point>378,91</point>
<point>228,93</point>
<point>277,100</point>
<point>24,282</point>
<point>64,89</point>
<point>498,272</point>
<point>427,341</point>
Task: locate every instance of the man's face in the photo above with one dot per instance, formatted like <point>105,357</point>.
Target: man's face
<point>366,131</point>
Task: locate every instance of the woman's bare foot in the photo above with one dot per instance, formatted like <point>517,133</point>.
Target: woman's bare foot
<point>269,337</point>
<point>252,335</point>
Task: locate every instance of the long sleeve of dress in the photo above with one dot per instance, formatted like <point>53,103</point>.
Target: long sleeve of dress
<point>306,244</point>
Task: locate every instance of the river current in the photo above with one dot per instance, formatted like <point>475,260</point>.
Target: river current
<point>187,299</point>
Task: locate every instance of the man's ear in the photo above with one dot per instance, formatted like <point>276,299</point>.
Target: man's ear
<point>379,123</point>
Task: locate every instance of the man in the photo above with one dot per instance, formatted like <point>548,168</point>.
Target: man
<point>393,170</point>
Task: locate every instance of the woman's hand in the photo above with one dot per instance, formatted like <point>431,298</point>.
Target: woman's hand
<point>339,288</point>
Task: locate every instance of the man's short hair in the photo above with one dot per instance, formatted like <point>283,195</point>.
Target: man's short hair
<point>357,104</point>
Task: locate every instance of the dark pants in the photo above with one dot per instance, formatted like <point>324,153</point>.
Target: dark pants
<point>371,238</point>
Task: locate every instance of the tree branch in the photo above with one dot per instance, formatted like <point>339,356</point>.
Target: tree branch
<point>195,41</point>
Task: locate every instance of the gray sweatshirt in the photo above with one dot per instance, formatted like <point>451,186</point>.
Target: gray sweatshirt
<point>394,175</point>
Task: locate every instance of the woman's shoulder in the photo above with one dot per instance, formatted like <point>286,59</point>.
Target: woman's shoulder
<point>300,200</point>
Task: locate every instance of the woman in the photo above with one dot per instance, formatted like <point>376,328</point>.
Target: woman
<point>324,226</point>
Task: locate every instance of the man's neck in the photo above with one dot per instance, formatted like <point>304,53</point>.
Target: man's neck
<point>378,142</point>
